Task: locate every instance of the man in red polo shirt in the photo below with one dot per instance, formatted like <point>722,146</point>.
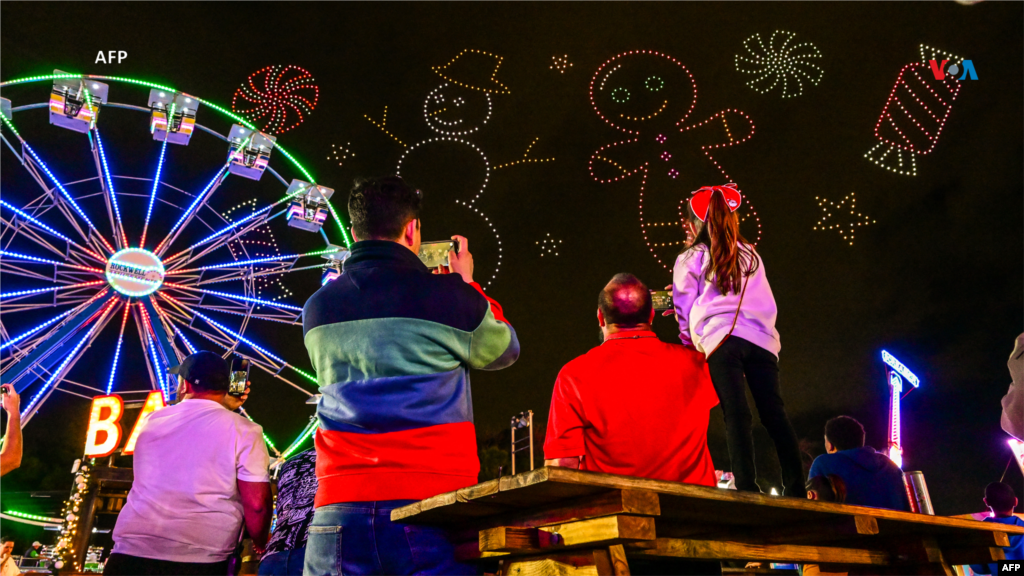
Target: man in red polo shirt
<point>634,405</point>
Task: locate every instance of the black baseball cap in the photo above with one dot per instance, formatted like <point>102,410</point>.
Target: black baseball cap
<point>205,370</point>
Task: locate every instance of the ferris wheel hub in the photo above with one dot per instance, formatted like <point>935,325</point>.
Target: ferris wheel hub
<point>135,272</point>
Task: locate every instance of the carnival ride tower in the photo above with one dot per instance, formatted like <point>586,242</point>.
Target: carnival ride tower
<point>896,372</point>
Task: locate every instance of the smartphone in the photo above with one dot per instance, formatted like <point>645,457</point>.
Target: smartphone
<point>662,300</point>
<point>239,377</point>
<point>434,254</point>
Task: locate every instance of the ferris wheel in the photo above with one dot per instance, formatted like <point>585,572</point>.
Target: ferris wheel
<point>82,253</point>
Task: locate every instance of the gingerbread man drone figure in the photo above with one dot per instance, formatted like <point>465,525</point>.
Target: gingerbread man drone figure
<point>650,96</point>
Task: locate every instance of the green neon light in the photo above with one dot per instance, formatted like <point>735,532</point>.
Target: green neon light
<point>306,374</point>
<point>266,438</point>
<point>9,124</point>
<point>17,514</point>
<point>228,113</point>
<point>268,441</point>
<point>310,429</point>
<point>344,232</point>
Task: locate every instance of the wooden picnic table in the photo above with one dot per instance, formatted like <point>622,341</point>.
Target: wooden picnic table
<point>562,521</point>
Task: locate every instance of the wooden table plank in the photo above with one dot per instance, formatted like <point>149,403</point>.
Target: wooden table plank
<point>721,550</point>
<point>713,507</point>
<point>708,523</point>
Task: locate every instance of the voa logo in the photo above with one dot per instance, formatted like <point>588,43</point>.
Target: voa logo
<point>941,71</point>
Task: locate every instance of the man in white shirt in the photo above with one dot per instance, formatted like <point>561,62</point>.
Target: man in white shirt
<point>200,471</point>
<point>7,565</point>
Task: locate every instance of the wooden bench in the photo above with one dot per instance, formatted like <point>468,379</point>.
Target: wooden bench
<point>562,521</point>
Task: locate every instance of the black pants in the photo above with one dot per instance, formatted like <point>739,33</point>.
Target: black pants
<point>125,565</point>
<point>735,358</point>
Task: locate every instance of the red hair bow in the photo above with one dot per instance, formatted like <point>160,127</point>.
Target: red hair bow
<point>701,199</point>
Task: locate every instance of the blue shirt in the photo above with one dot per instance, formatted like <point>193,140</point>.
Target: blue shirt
<point>1015,551</point>
<point>871,478</point>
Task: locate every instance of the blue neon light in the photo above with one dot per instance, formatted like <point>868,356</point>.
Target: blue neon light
<point>27,257</point>
<point>110,182</point>
<point>253,300</point>
<point>157,366</point>
<point>199,198</point>
<point>247,262</point>
<point>191,348</point>
<point>152,195</point>
<point>36,222</point>
<point>117,351</point>
<point>58,184</point>
<point>49,322</point>
<point>27,292</point>
<point>239,336</point>
<point>900,368</point>
<point>59,369</point>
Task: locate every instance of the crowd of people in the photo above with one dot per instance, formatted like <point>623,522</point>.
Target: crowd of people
<point>393,343</point>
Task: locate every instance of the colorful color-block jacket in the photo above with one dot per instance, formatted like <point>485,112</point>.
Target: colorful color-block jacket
<point>392,345</point>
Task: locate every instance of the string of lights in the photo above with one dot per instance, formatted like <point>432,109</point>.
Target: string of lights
<point>152,194</point>
<point>96,321</point>
<point>28,258</point>
<point>110,188</point>
<point>21,213</point>
<point>117,349</point>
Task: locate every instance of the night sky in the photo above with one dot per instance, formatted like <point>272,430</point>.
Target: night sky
<point>935,279</point>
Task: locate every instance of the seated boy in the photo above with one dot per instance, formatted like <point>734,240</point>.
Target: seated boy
<point>1001,500</point>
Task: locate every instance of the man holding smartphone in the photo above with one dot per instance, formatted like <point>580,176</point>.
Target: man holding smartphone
<point>200,475</point>
<point>392,344</point>
<point>10,454</point>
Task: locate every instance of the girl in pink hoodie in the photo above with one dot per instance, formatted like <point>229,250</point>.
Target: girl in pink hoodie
<point>727,312</point>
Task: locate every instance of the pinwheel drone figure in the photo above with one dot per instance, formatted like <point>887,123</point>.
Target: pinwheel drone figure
<point>78,257</point>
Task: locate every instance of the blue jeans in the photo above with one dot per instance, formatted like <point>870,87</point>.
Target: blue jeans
<point>283,563</point>
<point>360,538</point>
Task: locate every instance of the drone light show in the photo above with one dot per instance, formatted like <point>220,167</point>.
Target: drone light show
<point>177,183</point>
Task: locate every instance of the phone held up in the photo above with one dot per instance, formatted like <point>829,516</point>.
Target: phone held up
<point>434,254</point>
<point>662,300</point>
<point>239,377</point>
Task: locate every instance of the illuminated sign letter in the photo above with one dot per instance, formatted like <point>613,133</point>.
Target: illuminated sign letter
<point>154,402</point>
<point>104,433</point>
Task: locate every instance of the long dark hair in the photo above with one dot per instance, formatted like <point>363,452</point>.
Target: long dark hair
<point>732,256</point>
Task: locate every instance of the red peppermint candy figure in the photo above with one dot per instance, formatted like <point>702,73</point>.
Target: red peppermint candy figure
<point>917,109</point>
<point>277,98</point>
<point>649,96</point>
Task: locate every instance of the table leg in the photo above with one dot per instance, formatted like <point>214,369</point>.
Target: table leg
<point>612,561</point>
<point>604,561</point>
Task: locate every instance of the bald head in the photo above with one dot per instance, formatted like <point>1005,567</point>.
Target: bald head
<point>625,302</point>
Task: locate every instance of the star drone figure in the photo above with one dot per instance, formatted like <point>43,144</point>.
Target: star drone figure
<point>95,247</point>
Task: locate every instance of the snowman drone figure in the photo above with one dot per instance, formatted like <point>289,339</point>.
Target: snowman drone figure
<point>453,171</point>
